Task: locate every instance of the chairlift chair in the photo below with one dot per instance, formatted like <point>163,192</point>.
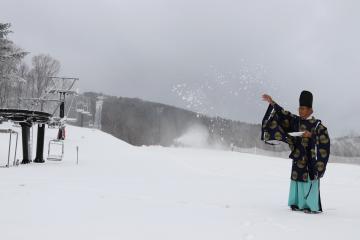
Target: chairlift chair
<point>52,154</point>
<point>11,132</point>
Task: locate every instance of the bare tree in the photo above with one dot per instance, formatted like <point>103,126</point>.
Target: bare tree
<point>20,88</point>
<point>43,66</point>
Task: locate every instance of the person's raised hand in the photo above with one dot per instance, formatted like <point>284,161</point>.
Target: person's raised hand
<point>267,98</point>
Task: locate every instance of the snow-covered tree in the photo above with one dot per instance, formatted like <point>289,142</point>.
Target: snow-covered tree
<point>10,59</point>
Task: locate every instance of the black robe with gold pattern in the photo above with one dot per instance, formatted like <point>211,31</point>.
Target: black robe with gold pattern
<point>310,155</point>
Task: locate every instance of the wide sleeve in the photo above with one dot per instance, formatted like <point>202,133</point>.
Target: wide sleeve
<point>276,124</point>
<point>322,151</point>
<point>285,118</point>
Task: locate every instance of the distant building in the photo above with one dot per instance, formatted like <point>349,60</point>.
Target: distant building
<point>98,111</point>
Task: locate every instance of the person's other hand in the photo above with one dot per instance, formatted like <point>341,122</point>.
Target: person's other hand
<point>307,134</point>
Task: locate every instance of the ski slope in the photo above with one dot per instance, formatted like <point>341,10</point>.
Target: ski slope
<point>118,191</point>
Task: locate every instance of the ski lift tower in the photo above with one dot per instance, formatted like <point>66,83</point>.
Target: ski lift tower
<point>62,90</point>
<point>64,87</point>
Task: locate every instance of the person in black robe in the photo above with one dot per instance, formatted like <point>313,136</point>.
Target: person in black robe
<point>309,142</point>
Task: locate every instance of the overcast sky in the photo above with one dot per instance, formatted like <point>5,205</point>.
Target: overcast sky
<point>215,57</point>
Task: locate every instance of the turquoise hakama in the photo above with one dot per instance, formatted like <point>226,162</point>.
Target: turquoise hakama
<point>305,195</point>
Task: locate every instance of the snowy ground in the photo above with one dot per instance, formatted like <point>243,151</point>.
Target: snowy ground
<point>123,192</point>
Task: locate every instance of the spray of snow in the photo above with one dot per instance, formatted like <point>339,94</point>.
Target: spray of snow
<point>198,136</point>
<point>213,94</point>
